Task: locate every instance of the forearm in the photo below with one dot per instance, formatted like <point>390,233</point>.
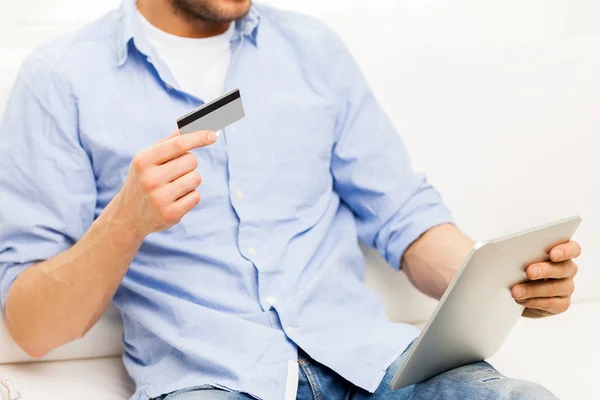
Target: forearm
<point>432,260</point>
<point>58,300</point>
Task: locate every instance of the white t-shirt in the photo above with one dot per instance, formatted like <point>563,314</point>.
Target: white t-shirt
<point>198,65</point>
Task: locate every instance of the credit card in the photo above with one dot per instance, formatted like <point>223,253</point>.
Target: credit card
<point>214,115</point>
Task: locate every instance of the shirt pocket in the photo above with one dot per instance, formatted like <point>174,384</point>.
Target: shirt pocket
<point>282,161</point>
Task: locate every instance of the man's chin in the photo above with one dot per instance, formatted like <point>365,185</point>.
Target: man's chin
<point>215,10</point>
<point>233,10</point>
<point>236,14</point>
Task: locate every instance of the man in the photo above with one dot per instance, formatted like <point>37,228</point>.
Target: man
<point>257,290</point>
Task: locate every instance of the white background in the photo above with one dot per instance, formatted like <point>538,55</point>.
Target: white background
<point>498,101</point>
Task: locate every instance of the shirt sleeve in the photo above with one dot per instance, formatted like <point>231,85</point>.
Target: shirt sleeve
<point>393,205</point>
<point>47,185</point>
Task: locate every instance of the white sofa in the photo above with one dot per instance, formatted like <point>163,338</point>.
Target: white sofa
<point>560,352</point>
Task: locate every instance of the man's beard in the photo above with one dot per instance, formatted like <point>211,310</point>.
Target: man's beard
<point>206,11</point>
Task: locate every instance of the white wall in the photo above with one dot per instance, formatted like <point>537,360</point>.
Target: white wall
<point>499,101</point>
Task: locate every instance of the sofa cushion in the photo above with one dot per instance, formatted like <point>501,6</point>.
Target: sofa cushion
<point>558,352</point>
<point>104,339</point>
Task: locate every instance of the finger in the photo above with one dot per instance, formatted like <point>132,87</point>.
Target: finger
<point>184,204</point>
<point>184,185</point>
<point>535,313</point>
<point>179,145</point>
<point>549,270</point>
<point>172,135</point>
<point>553,305</point>
<point>550,288</point>
<point>178,167</point>
<point>565,251</point>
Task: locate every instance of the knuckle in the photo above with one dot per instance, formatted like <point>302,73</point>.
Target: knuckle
<point>177,146</point>
<point>156,199</point>
<point>193,161</point>
<point>571,287</point>
<point>154,153</point>
<point>139,161</point>
<point>574,268</point>
<point>149,182</point>
<point>565,305</point>
<point>196,197</point>
<point>560,306</point>
<point>562,268</point>
<point>168,217</point>
<point>196,178</point>
<point>172,217</point>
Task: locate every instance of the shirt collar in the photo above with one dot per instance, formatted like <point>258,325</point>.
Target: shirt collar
<point>129,28</point>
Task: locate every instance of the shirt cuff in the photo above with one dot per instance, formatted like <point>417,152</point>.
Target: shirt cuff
<point>419,225</point>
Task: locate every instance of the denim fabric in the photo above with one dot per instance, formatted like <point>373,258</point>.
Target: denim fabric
<point>471,382</point>
<point>204,392</point>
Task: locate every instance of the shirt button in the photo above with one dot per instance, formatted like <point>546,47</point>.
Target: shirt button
<point>289,330</point>
<point>169,87</point>
<point>239,194</point>
<point>271,300</point>
<point>252,251</point>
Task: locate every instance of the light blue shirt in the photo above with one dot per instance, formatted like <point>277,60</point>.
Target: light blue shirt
<point>269,260</point>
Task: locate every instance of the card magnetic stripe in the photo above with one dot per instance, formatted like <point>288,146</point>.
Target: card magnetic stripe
<point>208,108</point>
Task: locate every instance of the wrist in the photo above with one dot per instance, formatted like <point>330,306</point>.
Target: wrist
<point>119,223</point>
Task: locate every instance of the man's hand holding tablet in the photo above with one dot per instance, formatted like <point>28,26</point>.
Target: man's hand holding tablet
<point>549,292</point>
<point>478,309</point>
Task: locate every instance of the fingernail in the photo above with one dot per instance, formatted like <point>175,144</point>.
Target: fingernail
<point>558,254</point>
<point>519,292</point>
<point>535,271</point>
<point>212,136</point>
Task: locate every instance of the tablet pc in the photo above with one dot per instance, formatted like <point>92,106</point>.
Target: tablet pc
<point>477,311</point>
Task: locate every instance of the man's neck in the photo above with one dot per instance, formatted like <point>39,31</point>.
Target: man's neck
<point>162,15</point>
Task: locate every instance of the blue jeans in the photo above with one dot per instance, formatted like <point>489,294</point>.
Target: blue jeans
<point>317,382</point>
